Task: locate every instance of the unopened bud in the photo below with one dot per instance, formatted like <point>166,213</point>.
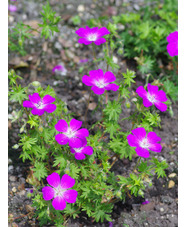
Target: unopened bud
<point>120,51</point>
<point>141,193</point>
<point>36,83</point>
<point>20,41</point>
<point>127,104</point>
<point>40,129</point>
<point>16,146</point>
<point>118,194</point>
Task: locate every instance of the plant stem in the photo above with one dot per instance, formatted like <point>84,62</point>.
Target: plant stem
<point>87,108</point>
<point>139,159</point>
<point>94,54</point>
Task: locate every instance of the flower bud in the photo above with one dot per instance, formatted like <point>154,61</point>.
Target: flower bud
<point>16,146</point>
<point>20,41</point>
<point>36,83</point>
<point>40,129</point>
<point>118,194</point>
<point>127,104</point>
<point>120,51</point>
<point>140,193</point>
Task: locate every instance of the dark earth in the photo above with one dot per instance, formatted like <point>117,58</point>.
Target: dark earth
<point>63,48</point>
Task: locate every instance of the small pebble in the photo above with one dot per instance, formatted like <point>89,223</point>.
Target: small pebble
<point>14,189</point>
<point>171,184</point>
<point>172,175</point>
<point>12,178</point>
<point>81,8</point>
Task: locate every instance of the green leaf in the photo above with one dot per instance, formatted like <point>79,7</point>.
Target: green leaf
<point>112,110</point>
<point>129,76</point>
<point>18,94</point>
<point>40,170</point>
<point>27,142</point>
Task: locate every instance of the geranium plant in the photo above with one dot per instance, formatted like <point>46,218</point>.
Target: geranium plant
<point>70,166</point>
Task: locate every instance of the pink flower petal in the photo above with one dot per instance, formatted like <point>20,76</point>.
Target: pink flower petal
<point>97,90</point>
<point>54,180</point>
<point>141,92</point>
<point>36,111</point>
<point>28,104</point>
<point>67,181</point>
<point>70,196</point>
<point>139,133</point>
<point>152,89</point>
<point>48,193</point>
<point>172,37</point>
<point>75,142</point>
<point>59,203</point>
<point>87,150</point>
<point>82,32</point>
<point>172,49</point>
<point>113,87</point>
<point>50,108</point>
<point>48,99</point>
<point>58,68</point>
<point>84,41</point>
<point>161,106</point>
<point>153,138</point>
<point>142,152</point>
<point>87,80</point>
<point>97,74</point>
<point>100,41</point>
<point>83,132</point>
<point>109,77</point>
<point>62,139</point>
<point>103,31</point>
<point>79,156</point>
<point>61,126</point>
<point>147,103</point>
<point>161,96</point>
<point>133,141</point>
<point>75,124</point>
<point>156,147</point>
<point>35,98</point>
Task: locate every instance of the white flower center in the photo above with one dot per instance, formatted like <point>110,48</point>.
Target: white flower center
<point>144,144</point>
<point>59,191</point>
<point>70,133</point>
<point>100,84</point>
<point>78,150</point>
<point>39,105</point>
<point>151,98</point>
<point>92,37</point>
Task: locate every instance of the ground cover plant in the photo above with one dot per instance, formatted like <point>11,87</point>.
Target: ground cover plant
<point>70,162</point>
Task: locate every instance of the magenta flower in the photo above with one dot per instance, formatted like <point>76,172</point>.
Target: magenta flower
<point>71,134</point>
<point>145,202</point>
<point>153,96</point>
<point>144,142</point>
<point>59,191</point>
<point>172,47</point>
<point>100,82</point>
<point>81,151</point>
<point>59,68</point>
<point>90,35</point>
<point>38,105</point>
<point>12,8</point>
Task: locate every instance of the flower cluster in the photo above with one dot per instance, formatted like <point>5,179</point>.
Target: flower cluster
<point>74,136</point>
